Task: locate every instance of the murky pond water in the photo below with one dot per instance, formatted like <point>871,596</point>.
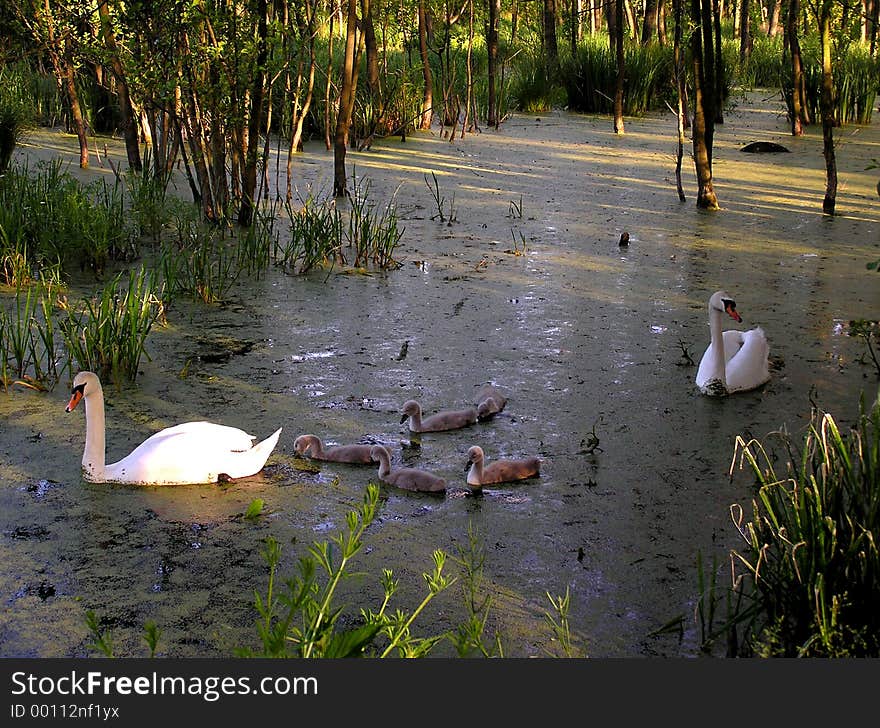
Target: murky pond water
<point>585,337</point>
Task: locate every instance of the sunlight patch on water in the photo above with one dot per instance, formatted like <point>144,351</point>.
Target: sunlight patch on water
<point>312,355</point>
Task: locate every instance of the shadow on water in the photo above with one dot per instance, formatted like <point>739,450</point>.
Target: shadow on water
<point>586,338</point>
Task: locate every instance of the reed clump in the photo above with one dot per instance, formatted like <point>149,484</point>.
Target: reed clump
<point>807,581</point>
<point>107,334</point>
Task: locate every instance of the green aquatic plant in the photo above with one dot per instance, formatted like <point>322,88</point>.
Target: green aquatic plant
<point>807,581</point>
<point>302,617</point>
<point>107,334</point>
<point>314,237</point>
<point>28,348</point>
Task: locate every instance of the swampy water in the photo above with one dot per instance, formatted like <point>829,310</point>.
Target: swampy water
<point>526,287</point>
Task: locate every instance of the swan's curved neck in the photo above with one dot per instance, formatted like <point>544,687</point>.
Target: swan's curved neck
<point>717,338</point>
<point>476,472</point>
<point>384,465</point>
<point>93,456</point>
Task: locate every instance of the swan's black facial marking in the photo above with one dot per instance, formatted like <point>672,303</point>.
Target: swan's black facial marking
<point>75,396</point>
<point>730,307</point>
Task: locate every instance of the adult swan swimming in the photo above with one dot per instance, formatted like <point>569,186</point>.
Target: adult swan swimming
<point>735,361</point>
<point>194,452</point>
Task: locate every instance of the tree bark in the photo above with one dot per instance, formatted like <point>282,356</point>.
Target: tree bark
<point>649,24</point>
<point>551,47</point>
<point>621,70</point>
<point>255,119</point>
<point>65,76</point>
<point>428,91</point>
<point>129,121</point>
<point>718,63</point>
<point>680,85</point>
<point>346,103</point>
<point>799,114</point>
<point>745,37</point>
<point>492,115</point>
<point>702,130</point>
<point>371,49</point>
<point>826,102</point>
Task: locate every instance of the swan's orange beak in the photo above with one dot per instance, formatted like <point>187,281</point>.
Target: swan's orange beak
<point>732,312</point>
<point>75,398</point>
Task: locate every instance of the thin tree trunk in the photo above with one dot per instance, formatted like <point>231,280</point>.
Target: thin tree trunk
<point>649,25</point>
<point>745,38</point>
<point>346,102</point>
<point>428,91</point>
<point>704,109</point>
<point>678,68</point>
<point>621,71</point>
<point>129,121</point>
<point>799,114</point>
<point>255,120</point>
<point>826,100</point>
<point>492,52</point>
<point>551,48</point>
<point>718,95</point>
<point>65,76</point>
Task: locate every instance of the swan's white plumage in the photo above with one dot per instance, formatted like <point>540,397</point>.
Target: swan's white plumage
<point>189,453</point>
<point>743,363</point>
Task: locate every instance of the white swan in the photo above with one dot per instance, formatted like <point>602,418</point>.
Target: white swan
<point>407,478</point>
<point>311,446</point>
<point>445,420</point>
<point>194,452</point>
<point>500,471</point>
<point>735,361</point>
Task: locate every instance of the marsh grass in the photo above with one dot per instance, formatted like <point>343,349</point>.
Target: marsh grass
<point>151,207</point>
<point>590,77</point>
<point>29,352</point>
<point>807,582</point>
<point>254,244</point>
<point>314,237</point>
<point>51,222</point>
<point>372,233</point>
<point>107,334</point>
<point>199,263</point>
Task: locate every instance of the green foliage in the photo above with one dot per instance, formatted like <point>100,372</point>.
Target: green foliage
<point>531,90</point>
<point>470,636</point>
<point>102,640</point>
<point>254,509</point>
<point>591,77</point>
<point>107,334</point>
<point>314,237</point>
<point>303,620</point>
<point>49,222</point>
<point>29,352</point>
<point>855,80</point>
<point>765,64</point>
<point>17,110</point>
<point>808,579</point>
<point>198,263</point>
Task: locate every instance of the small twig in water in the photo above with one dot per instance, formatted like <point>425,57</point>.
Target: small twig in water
<point>686,359</point>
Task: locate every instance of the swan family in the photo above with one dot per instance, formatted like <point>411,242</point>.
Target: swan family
<point>206,452</point>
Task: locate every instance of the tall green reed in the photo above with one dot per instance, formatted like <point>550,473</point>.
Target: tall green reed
<point>107,334</point>
<point>807,581</point>
<point>314,237</point>
<point>29,351</point>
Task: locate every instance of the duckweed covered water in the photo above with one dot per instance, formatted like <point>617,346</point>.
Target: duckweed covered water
<point>588,339</point>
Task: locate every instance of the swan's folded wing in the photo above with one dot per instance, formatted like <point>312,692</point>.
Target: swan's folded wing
<point>217,436</point>
<point>750,367</point>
